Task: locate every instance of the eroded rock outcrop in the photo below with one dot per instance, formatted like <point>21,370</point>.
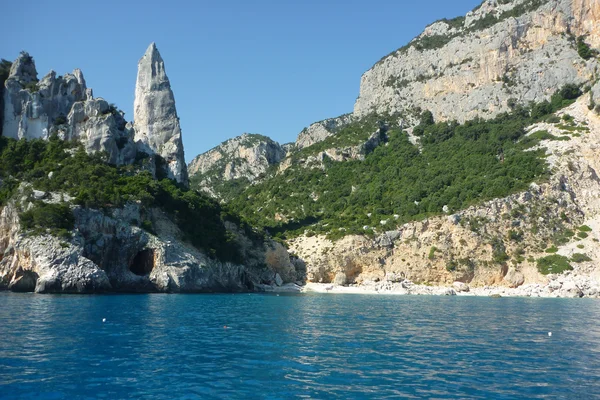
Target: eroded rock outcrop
<point>244,157</point>
<point>32,106</point>
<point>321,130</point>
<point>595,97</point>
<point>63,105</point>
<point>523,50</point>
<point>156,122</point>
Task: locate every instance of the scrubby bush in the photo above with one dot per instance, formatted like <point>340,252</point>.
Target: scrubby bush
<point>554,264</point>
<point>432,251</point>
<point>584,228</point>
<point>515,236</point>
<point>60,120</point>
<point>498,251</point>
<point>52,218</point>
<point>580,257</point>
<point>583,49</point>
<point>552,250</point>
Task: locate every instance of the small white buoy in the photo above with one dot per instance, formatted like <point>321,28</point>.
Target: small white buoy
<point>103,319</point>
<point>549,333</point>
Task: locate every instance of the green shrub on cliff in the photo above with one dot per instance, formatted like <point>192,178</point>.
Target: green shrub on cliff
<point>584,50</point>
<point>580,257</point>
<point>554,264</point>
<point>57,218</point>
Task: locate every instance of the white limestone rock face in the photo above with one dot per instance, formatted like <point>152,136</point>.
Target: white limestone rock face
<point>156,123</point>
<point>32,107</point>
<point>246,156</point>
<point>321,130</point>
<point>101,127</point>
<point>63,105</point>
<point>526,57</point>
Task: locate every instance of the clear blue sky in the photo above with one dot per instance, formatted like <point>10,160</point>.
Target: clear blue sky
<point>264,66</point>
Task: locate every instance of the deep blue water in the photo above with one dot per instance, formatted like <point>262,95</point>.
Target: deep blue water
<point>303,346</point>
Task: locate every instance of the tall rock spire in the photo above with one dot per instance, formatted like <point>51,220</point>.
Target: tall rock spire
<point>156,122</point>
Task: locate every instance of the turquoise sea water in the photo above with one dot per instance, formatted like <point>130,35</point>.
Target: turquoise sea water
<point>302,346</point>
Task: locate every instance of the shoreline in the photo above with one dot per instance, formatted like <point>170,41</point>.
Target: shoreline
<point>562,286</point>
<point>460,289</point>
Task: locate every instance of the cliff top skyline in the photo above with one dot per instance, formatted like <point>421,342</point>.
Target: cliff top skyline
<point>265,68</point>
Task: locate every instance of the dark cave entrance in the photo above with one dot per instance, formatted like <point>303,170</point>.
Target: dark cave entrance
<point>143,262</point>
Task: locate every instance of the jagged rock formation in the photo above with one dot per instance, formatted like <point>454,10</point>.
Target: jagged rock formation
<point>31,107</point>
<point>245,157</point>
<point>321,130</point>
<point>467,67</point>
<point>501,54</point>
<point>109,252</point>
<point>156,122</point>
<point>99,125</point>
<point>63,105</point>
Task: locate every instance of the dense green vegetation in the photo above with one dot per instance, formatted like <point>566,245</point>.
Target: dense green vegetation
<point>456,165</point>
<point>56,217</point>
<point>93,183</point>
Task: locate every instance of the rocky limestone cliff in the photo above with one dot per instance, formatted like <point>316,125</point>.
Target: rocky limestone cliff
<point>475,246</point>
<point>467,67</point>
<point>110,252</point>
<point>156,123</point>
<point>321,130</point>
<point>63,105</point>
<point>244,157</point>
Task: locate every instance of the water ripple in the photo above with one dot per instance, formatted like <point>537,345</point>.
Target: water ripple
<point>303,346</point>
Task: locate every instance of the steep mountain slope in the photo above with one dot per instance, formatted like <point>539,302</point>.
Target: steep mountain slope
<point>467,121</point>
<point>527,239</point>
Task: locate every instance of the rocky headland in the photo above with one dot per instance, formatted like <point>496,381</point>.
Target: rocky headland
<point>58,236</point>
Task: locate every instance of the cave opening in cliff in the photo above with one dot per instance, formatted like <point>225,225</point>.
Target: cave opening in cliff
<point>143,262</point>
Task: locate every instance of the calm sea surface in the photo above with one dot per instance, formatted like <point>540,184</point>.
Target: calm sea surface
<point>302,346</point>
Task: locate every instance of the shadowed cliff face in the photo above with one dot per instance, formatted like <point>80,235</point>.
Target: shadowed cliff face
<point>156,122</point>
<point>460,69</point>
